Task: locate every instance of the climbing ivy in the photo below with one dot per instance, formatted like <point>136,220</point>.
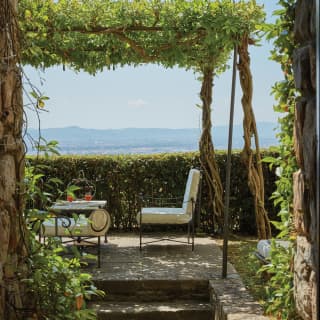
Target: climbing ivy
<point>93,34</point>
<point>280,286</point>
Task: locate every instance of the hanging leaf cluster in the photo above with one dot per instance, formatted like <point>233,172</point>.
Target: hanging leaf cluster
<point>92,34</point>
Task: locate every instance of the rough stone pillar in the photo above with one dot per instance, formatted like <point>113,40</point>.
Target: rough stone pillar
<point>12,244</point>
<point>305,214</point>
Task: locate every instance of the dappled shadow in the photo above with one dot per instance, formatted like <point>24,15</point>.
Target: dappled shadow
<point>122,259</point>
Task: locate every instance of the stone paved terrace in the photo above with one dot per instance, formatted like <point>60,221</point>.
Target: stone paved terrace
<point>121,260</point>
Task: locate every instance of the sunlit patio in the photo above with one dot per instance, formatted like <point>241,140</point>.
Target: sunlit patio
<point>165,279</point>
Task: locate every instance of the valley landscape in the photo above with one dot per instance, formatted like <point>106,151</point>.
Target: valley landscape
<point>76,140</point>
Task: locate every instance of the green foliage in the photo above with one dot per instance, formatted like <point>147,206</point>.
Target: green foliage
<point>280,287</point>
<point>47,148</point>
<point>121,179</point>
<point>246,263</point>
<point>59,288</point>
<point>58,285</point>
<point>34,179</point>
<point>94,34</point>
<point>40,99</point>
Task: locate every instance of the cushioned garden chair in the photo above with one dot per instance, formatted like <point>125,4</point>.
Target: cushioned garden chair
<point>79,230</point>
<point>183,215</point>
<point>264,248</point>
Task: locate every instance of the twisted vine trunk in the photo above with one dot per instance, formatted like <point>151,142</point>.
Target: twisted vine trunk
<point>12,248</point>
<point>252,159</point>
<point>207,155</point>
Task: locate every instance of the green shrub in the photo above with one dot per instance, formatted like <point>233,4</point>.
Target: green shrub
<point>121,179</point>
<point>56,283</point>
<point>59,288</point>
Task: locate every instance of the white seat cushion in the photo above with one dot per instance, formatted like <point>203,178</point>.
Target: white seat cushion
<point>164,215</point>
<point>183,215</point>
<point>97,224</point>
<point>264,247</point>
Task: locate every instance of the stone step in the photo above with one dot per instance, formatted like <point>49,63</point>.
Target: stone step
<point>176,310</point>
<point>154,290</point>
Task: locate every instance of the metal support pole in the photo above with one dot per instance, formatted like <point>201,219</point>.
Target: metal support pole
<point>228,169</point>
<point>318,158</point>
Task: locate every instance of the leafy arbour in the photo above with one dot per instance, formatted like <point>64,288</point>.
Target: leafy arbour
<point>199,35</point>
<point>93,34</point>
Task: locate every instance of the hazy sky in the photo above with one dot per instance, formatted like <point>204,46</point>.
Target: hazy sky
<point>149,96</point>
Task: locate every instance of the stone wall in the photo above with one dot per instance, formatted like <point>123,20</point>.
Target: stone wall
<point>231,300</point>
<point>305,213</point>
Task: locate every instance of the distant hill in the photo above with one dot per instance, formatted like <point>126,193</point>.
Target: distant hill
<point>75,140</point>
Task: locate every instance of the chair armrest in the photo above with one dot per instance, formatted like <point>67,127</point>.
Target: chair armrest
<point>40,216</point>
<point>65,221</point>
<point>58,225</point>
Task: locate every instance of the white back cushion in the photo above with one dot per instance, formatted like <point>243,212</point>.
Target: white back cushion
<point>191,190</point>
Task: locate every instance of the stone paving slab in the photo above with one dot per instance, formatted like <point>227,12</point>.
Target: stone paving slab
<point>121,259</point>
<point>157,310</point>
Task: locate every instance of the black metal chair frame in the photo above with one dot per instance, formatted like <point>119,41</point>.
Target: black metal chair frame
<point>190,224</point>
<point>80,240</point>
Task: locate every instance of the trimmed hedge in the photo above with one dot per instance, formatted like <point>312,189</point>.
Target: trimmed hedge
<point>121,179</point>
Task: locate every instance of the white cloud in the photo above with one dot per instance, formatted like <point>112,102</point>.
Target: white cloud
<point>138,103</point>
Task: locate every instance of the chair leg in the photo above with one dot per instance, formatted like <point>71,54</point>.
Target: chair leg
<point>189,232</point>
<point>192,225</point>
<point>140,229</point>
<point>99,253</point>
<point>192,234</point>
